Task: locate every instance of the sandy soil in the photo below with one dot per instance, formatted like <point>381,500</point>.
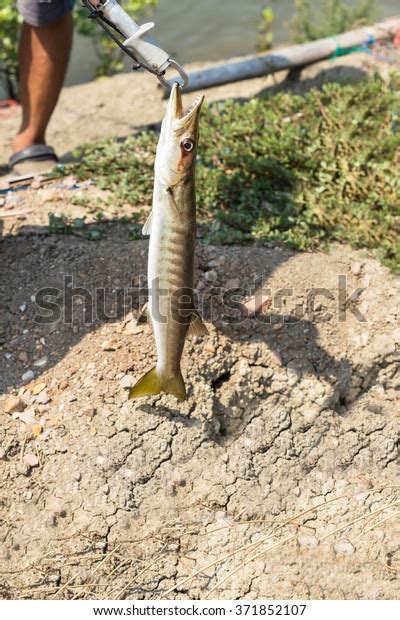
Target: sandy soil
<point>276,478</point>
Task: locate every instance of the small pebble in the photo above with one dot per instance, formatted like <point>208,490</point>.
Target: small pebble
<point>311,413</point>
<point>345,549</point>
<point>14,404</point>
<point>27,417</point>
<point>28,376</point>
<point>31,459</point>
<point>38,387</point>
<point>40,362</point>
<point>90,412</point>
<point>126,382</point>
<point>383,345</point>
<point>108,345</point>
<point>36,430</point>
<point>23,357</point>
<point>356,268</point>
<point>54,421</point>
<point>211,276</point>
<point>43,398</point>
<point>133,329</point>
<point>307,542</point>
<point>23,469</point>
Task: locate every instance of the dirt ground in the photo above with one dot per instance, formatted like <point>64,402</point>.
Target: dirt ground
<point>277,478</point>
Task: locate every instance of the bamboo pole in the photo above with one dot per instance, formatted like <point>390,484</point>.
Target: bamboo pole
<point>293,56</point>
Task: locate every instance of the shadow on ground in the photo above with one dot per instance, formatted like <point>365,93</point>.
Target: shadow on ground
<point>342,74</point>
<point>85,285</point>
<point>102,272</point>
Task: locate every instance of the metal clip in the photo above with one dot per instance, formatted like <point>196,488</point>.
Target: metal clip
<point>143,50</point>
<point>181,71</point>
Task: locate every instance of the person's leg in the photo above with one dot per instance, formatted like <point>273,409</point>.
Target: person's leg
<point>43,59</point>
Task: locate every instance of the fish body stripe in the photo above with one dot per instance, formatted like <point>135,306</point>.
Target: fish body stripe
<point>171,264</point>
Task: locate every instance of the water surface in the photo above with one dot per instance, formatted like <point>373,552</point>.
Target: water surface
<point>207,30</point>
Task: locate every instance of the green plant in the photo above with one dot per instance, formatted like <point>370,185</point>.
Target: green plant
<point>10,21</point>
<point>265,35</point>
<point>301,171</point>
<point>61,224</point>
<point>333,17</point>
<point>109,55</point>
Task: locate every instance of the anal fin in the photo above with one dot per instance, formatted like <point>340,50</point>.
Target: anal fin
<point>196,326</point>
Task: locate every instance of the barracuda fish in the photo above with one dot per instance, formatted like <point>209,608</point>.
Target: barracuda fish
<point>172,228</point>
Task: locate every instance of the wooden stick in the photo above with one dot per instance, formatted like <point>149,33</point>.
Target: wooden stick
<point>132,581</point>
<point>16,213</point>
<point>293,56</point>
<point>343,527</point>
<point>247,561</point>
<point>274,533</point>
<point>394,514</point>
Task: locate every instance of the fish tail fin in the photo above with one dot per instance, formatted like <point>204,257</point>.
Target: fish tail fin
<point>154,382</point>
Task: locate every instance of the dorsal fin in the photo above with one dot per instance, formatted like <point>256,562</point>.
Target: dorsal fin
<point>146,230</point>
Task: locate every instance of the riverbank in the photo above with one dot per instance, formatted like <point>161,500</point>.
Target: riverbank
<point>120,105</point>
<point>277,477</point>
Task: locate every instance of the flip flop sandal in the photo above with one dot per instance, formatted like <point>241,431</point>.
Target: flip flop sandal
<point>35,159</point>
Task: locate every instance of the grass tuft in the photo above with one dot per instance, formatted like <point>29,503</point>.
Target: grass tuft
<point>304,171</point>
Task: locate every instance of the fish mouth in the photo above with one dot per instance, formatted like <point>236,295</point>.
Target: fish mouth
<point>181,117</point>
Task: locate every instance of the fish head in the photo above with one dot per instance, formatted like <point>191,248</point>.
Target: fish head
<point>177,146</point>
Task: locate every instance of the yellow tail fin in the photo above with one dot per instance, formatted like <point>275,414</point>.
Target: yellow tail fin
<point>153,383</point>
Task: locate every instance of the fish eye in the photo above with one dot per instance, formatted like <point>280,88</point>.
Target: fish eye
<point>188,145</point>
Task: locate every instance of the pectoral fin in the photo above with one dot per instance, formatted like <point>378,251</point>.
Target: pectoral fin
<point>153,383</point>
<point>171,203</point>
<point>143,314</point>
<point>196,326</point>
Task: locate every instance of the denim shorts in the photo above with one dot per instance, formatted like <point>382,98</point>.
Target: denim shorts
<point>43,12</point>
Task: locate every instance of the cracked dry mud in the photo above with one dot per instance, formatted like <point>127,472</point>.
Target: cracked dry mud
<point>276,478</point>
